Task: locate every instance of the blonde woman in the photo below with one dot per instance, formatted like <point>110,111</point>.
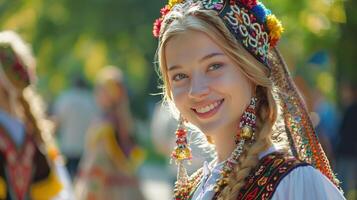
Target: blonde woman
<point>222,74</point>
<point>31,167</point>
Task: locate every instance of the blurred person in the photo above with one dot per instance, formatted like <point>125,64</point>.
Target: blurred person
<point>108,167</point>
<point>223,74</point>
<point>31,166</point>
<point>326,121</point>
<point>347,148</point>
<point>73,112</point>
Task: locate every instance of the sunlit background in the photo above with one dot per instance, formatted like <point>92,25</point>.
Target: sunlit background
<point>71,38</point>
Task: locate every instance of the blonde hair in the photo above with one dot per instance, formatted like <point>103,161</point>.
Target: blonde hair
<point>31,103</point>
<point>184,18</point>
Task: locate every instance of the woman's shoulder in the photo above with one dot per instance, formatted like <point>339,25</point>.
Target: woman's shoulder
<point>271,169</point>
<point>306,182</point>
<point>280,175</point>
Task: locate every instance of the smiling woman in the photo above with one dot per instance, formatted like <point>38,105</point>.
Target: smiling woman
<point>208,89</point>
<point>223,74</point>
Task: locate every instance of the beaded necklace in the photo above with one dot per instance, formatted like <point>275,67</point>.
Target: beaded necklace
<point>184,191</point>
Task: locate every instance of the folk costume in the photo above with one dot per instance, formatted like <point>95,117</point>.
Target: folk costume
<point>31,167</point>
<point>108,167</point>
<point>304,171</point>
<point>25,170</point>
<point>106,171</point>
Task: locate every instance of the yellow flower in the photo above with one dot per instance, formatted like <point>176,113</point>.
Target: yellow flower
<point>275,27</point>
<point>174,2</point>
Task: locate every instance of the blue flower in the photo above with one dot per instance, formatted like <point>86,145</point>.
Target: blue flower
<point>261,12</point>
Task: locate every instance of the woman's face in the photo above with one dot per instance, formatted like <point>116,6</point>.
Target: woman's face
<point>207,87</point>
<point>109,95</point>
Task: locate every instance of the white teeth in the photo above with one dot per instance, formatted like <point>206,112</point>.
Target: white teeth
<point>208,107</point>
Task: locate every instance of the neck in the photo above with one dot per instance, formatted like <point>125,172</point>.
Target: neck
<point>224,142</point>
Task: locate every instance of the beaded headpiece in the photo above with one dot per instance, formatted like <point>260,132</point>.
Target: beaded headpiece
<point>249,20</point>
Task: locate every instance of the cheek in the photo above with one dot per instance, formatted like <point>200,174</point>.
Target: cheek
<point>237,88</point>
<point>180,98</point>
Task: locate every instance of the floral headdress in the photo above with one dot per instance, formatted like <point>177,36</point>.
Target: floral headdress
<point>258,30</point>
<point>249,20</point>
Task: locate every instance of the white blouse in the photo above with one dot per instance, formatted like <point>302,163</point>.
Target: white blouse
<point>303,182</point>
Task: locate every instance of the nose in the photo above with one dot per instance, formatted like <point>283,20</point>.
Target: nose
<point>199,88</point>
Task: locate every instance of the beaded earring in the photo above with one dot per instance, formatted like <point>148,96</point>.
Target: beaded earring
<point>247,126</point>
<point>181,153</point>
<point>247,122</point>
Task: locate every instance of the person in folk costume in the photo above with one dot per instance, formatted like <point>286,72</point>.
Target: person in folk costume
<point>222,72</point>
<point>31,166</point>
<point>108,167</point>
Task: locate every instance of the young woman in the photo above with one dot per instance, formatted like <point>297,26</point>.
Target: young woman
<point>111,158</point>
<point>30,164</point>
<point>223,75</point>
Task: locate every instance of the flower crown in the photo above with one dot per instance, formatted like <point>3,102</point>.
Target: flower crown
<point>248,20</point>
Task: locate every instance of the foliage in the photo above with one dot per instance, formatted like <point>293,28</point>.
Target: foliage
<point>82,36</point>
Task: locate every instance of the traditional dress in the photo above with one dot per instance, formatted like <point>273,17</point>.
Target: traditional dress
<point>278,176</point>
<point>26,170</point>
<point>106,171</point>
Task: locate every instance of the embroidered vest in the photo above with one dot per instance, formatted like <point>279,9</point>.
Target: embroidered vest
<point>16,165</point>
<point>22,168</point>
<point>265,178</point>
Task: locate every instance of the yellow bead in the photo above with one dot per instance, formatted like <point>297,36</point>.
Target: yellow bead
<point>247,132</point>
<point>183,154</point>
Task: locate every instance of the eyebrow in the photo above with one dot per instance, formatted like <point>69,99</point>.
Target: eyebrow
<point>208,56</point>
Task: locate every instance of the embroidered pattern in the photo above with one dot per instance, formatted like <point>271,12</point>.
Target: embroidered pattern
<point>263,181</point>
<point>18,164</point>
<point>248,20</point>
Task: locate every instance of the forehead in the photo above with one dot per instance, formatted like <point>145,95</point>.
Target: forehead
<point>189,47</point>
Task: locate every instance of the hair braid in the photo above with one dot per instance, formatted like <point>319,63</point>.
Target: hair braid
<point>250,158</point>
<point>35,121</point>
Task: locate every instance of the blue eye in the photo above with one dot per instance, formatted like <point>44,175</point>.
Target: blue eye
<point>179,77</point>
<point>214,67</point>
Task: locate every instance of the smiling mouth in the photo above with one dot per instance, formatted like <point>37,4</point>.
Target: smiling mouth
<point>208,110</point>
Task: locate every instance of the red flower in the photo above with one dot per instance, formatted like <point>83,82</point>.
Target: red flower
<point>249,3</point>
<point>165,10</point>
<point>157,23</point>
<point>157,27</point>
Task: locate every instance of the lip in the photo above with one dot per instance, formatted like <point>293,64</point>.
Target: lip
<point>209,113</point>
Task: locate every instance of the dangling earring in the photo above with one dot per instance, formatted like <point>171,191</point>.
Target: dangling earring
<point>181,153</point>
<point>247,124</point>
